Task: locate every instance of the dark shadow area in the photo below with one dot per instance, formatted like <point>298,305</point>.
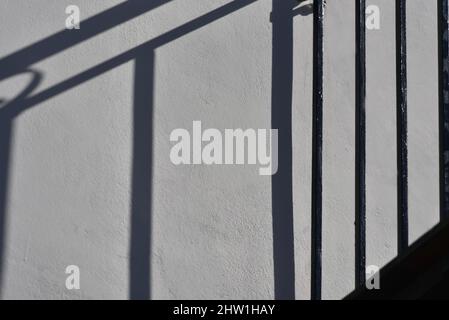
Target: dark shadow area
<point>420,272</point>
<point>281,118</point>
<point>143,55</point>
<point>140,247</point>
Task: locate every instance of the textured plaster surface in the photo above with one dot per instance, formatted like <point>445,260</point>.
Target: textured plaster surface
<point>69,191</point>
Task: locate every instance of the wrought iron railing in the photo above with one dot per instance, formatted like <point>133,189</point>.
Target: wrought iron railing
<point>360,161</point>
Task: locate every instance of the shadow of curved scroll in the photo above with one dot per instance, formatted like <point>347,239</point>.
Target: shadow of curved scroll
<point>143,55</point>
<point>7,115</point>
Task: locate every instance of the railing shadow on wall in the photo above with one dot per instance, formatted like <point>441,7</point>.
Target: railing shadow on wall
<point>21,61</point>
<point>282,61</point>
<point>143,57</point>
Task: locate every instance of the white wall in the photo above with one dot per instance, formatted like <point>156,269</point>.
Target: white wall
<point>70,194</point>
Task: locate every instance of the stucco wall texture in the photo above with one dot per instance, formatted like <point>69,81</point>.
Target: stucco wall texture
<point>71,185</point>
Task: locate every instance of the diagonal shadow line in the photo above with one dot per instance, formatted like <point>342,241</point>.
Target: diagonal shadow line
<point>142,157</point>
<point>281,182</point>
<point>65,39</point>
<point>124,57</point>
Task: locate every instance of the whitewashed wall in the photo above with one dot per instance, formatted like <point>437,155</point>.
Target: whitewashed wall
<point>69,191</point>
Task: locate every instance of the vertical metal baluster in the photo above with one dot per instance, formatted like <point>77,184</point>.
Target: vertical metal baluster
<point>443,68</point>
<point>360,84</point>
<point>401,87</point>
<point>318,7</point>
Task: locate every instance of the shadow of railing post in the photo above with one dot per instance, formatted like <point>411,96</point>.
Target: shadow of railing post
<point>5,146</point>
<point>281,118</point>
<point>141,197</point>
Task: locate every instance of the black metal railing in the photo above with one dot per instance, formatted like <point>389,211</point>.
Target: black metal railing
<point>317,145</point>
<point>401,118</point>
<point>360,152</point>
<point>443,66</point>
<point>360,139</point>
